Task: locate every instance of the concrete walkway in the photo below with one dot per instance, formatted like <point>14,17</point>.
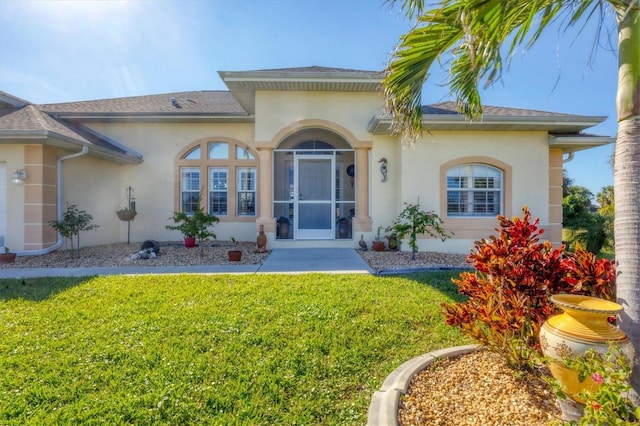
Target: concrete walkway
<point>284,261</point>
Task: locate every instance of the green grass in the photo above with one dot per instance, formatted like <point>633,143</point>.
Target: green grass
<point>220,350</point>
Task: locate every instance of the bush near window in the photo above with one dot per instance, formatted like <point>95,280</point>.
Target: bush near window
<point>508,294</point>
<point>414,221</point>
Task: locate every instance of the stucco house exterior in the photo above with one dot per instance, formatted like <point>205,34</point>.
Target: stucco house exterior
<point>306,153</point>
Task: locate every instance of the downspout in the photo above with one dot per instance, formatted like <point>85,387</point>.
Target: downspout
<point>568,158</point>
<point>58,243</point>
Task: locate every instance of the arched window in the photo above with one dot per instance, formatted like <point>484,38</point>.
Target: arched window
<point>474,190</point>
<point>224,173</point>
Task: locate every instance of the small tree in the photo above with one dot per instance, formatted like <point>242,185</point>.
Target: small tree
<point>72,223</point>
<point>413,221</point>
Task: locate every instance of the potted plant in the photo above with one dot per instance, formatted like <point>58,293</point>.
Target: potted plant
<point>7,256</point>
<point>235,255</point>
<point>194,226</point>
<point>378,244</point>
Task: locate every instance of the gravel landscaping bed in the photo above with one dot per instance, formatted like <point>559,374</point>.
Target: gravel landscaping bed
<point>174,253</point>
<point>476,389</point>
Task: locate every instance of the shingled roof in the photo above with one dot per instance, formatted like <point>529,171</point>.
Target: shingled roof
<point>29,123</point>
<point>180,103</point>
<point>445,116</point>
<point>450,108</point>
<point>315,69</point>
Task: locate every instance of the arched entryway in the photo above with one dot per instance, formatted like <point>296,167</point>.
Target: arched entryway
<point>314,189</point>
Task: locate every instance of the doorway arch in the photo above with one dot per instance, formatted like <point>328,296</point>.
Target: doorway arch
<point>314,191</point>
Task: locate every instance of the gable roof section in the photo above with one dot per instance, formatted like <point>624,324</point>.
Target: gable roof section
<point>30,125</point>
<point>445,116</point>
<point>244,84</point>
<point>564,129</point>
<point>196,106</point>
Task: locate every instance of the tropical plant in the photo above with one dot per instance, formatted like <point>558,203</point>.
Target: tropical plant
<point>508,294</point>
<point>579,218</point>
<point>474,31</point>
<point>413,221</point>
<point>73,221</point>
<point>606,201</point>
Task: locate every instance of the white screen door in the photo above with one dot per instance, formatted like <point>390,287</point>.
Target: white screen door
<point>315,197</point>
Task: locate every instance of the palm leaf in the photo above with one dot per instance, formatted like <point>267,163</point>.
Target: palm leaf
<point>474,32</point>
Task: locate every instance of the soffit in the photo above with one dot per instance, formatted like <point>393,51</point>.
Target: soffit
<point>244,84</point>
<point>578,142</point>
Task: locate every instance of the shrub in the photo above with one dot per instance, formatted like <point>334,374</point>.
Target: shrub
<point>413,221</point>
<point>73,221</point>
<point>508,294</point>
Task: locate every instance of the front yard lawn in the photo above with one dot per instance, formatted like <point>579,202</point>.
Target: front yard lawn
<point>220,349</point>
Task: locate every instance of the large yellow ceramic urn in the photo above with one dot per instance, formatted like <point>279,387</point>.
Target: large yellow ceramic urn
<point>582,326</point>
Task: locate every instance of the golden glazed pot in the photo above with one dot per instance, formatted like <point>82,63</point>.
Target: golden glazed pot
<point>582,326</point>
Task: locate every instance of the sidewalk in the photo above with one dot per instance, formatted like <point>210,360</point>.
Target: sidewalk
<point>284,261</point>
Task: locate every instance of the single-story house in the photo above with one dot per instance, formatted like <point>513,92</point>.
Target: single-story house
<point>307,154</point>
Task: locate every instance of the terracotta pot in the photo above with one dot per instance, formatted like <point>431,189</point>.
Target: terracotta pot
<point>378,245</point>
<point>7,258</point>
<point>582,326</point>
<point>262,239</point>
<point>235,255</point>
<point>189,242</point>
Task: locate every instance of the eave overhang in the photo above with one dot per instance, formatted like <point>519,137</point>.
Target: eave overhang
<point>578,142</point>
<point>382,124</point>
<point>57,140</point>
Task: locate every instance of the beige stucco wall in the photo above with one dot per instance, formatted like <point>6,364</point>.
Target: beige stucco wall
<point>154,179</point>
<point>278,110</point>
<point>415,174</point>
<point>93,185</point>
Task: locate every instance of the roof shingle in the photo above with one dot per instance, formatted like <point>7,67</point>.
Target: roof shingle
<point>180,103</point>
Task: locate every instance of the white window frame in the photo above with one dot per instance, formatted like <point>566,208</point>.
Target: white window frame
<point>471,175</point>
<point>246,186</point>
<point>186,186</point>
<point>218,190</point>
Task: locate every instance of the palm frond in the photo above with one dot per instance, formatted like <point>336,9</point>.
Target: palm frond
<point>476,33</point>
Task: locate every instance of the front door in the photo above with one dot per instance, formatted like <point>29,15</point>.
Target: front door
<point>314,197</point>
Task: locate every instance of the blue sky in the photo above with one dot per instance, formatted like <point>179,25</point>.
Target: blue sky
<point>60,51</point>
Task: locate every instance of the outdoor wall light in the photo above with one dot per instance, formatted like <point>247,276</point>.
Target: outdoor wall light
<point>19,176</point>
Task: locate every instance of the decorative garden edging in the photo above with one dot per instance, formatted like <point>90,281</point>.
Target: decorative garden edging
<point>383,410</point>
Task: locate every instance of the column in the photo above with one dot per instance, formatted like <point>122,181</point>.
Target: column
<point>362,222</point>
<point>265,190</point>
